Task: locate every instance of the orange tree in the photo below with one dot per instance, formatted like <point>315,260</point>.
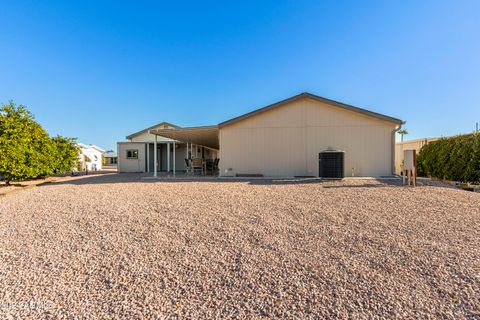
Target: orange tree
<point>26,150</point>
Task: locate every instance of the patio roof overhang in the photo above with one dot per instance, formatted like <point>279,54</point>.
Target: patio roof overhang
<point>206,136</point>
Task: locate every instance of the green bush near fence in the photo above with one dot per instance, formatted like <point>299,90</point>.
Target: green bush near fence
<point>455,158</point>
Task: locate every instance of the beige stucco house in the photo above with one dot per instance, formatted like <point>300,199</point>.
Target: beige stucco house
<point>416,145</point>
<point>280,140</point>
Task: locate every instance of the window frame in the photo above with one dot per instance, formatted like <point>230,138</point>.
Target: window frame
<point>132,151</point>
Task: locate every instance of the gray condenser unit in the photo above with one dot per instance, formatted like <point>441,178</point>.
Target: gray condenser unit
<point>331,164</point>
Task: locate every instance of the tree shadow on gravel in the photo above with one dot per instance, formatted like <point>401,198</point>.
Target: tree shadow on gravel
<point>122,178</point>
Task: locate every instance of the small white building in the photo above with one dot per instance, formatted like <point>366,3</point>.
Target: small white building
<point>90,157</point>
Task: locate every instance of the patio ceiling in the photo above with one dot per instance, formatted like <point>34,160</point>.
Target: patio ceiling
<point>206,136</point>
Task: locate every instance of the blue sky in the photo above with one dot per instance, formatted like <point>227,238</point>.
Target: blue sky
<point>100,70</point>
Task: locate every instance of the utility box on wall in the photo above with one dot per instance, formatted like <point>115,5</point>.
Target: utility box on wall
<point>331,164</point>
<point>410,159</point>
<point>410,166</point>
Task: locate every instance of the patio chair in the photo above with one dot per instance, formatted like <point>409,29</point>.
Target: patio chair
<point>215,165</point>
<point>209,166</point>
<point>197,165</point>
<point>188,167</point>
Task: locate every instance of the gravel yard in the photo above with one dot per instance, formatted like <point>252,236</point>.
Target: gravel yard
<point>116,246</point>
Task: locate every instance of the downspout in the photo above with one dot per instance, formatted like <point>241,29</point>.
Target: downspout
<point>394,144</point>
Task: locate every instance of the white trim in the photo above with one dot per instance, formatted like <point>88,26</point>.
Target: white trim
<point>155,158</point>
<point>148,157</point>
<point>168,156</point>
<point>174,152</point>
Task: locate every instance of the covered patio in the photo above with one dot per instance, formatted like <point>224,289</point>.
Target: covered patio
<point>201,148</point>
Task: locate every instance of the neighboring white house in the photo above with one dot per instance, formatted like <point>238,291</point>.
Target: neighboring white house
<point>90,157</point>
<point>284,139</point>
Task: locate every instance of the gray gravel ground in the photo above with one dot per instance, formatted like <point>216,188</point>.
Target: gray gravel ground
<point>120,247</point>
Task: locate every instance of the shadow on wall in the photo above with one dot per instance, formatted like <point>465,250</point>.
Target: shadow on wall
<point>116,178</point>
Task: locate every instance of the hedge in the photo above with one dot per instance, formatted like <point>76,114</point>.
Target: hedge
<point>455,158</point>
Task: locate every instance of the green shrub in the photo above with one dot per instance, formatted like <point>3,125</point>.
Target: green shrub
<point>26,150</point>
<point>455,158</point>
<point>65,152</point>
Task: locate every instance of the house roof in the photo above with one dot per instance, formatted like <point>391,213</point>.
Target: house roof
<point>150,128</point>
<point>96,147</point>
<point>419,140</point>
<point>92,146</point>
<point>313,97</point>
<point>206,135</point>
<point>110,154</point>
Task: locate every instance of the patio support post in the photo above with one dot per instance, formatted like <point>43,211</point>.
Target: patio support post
<point>155,157</point>
<point>168,157</point>
<point>148,157</point>
<point>174,157</point>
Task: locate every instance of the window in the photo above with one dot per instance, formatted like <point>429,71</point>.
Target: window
<point>132,154</point>
<point>113,160</point>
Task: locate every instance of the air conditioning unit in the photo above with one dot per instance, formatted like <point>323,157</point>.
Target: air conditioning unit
<point>331,164</point>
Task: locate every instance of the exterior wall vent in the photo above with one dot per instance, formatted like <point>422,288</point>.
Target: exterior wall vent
<point>331,164</point>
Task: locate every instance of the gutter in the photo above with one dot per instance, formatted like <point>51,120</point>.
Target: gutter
<point>393,144</point>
